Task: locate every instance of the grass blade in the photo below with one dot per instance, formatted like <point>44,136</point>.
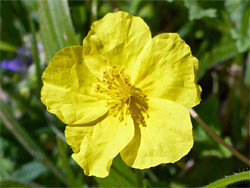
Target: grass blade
<point>35,55</point>
<point>27,141</point>
<point>56,26</point>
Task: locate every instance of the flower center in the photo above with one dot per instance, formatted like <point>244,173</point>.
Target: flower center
<point>123,98</point>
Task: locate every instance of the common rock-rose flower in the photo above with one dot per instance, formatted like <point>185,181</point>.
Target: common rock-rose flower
<point>124,92</point>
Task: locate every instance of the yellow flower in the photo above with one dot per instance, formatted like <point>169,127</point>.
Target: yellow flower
<point>124,92</point>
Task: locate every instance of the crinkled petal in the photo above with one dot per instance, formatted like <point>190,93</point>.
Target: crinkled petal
<point>116,39</point>
<point>166,138</point>
<point>167,69</point>
<point>96,146</point>
<point>69,88</point>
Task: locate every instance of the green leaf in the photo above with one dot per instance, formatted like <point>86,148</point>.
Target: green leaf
<point>133,6</point>
<point>196,12</point>
<point>6,166</point>
<point>147,11</point>
<point>242,42</point>
<point>215,149</point>
<point>208,147</point>
<point>230,179</point>
<point>14,183</point>
<point>56,26</point>
<point>9,30</point>
<point>223,51</point>
<point>120,175</point>
<point>211,105</point>
<point>160,184</point>
<point>26,140</point>
<point>24,173</point>
<point>35,54</point>
<point>235,10</point>
<point>5,46</point>
<point>238,12</point>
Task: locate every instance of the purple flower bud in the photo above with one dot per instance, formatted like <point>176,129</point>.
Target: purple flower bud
<point>14,65</point>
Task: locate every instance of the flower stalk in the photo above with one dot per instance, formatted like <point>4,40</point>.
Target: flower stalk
<point>139,178</point>
<point>218,138</point>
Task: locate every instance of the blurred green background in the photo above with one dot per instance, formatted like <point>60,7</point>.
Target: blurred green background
<point>33,151</point>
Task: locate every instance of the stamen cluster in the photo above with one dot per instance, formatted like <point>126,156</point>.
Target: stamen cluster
<point>123,98</point>
<point>116,84</point>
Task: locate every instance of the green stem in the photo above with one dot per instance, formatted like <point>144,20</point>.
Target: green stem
<point>152,176</point>
<point>217,138</point>
<point>65,161</point>
<point>57,132</point>
<point>139,178</point>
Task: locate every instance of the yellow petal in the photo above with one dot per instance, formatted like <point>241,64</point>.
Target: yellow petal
<point>166,138</point>
<point>69,88</point>
<point>95,146</point>
<point>116,39</point>
<point>167,69</point>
